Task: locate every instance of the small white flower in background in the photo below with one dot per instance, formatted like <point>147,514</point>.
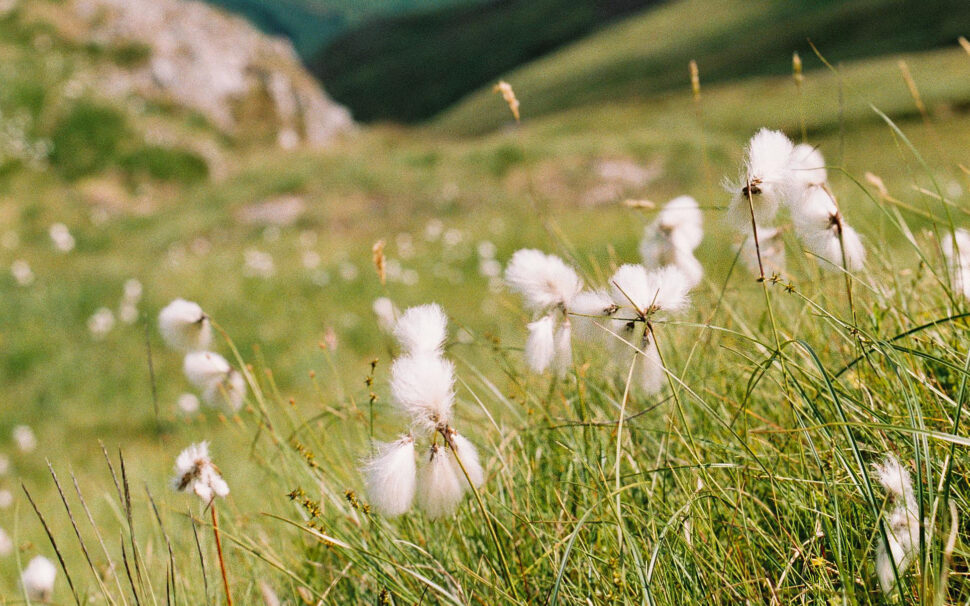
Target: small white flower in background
<point>433,229</point>
<point>128,312</point>
<point>6,498</point>
<point>311,259</point>
<point>902,523</point>
<point>440,488</point>
<point>486,249</point>
<point>132,290</point>
<point>308,238</point>
<point>38,579</point>
<point>766,178</point>
<point>824,232</point>
<point>195,473</point>
<point>405,245</point>
<point>958,259</point>
<point>22,273</point>
<point>219,381</point>
<point>184,326</point>
<point>24,436</point>
<point>453,237</point>
<point>422,387</point>
<point>348,271</point>
<point>258,264</point>
<point>392,477</point>
<point>4,464</point>
<point>6,543</point>
<point>101,322</point>
<point>10,240</point>
<point>387,313</point>
<point>808,165</point>
<point>61,237</point>
<point>188,403</point>
<point>772,246</point>
<point>490,268</point>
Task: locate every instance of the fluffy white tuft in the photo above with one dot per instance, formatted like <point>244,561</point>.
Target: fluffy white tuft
<point>423,387</point>
<point>195,472</point>
<point>468,454</point>
<point>902,523</point>
<point>205,368</point>
<point>563,358</point>
<point>677,230</point>
<point>818,222</point>
<point>540,347</point>
<point>422,330</point>
<point>391,477</point>
<point>808,165</point>
<point>649,369</point>
<point>38,579</point>
<point>766,175</point>
<point>184,326</point>
<point>229,390</point>
<point>544,281</point>
<point>584,310</point>
<point>644,292</point>
<point>6,543</point>
<point>439,487</point>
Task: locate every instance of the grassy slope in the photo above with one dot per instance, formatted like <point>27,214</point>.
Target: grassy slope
<point>519,188</point>
<point>648,54</point>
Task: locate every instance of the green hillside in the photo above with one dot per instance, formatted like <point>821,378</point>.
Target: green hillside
<point>410,67</point>
<point>648,54</point>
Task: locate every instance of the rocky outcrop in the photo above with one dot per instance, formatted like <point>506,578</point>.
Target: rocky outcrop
<point>216,64</point>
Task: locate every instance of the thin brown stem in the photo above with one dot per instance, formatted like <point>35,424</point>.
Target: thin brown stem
<point>754,230</point>
<point>222,562</point>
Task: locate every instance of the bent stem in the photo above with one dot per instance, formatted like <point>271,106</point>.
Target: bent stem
<point>754,230</point>
<point>445,433</point>
<point>222,562</point>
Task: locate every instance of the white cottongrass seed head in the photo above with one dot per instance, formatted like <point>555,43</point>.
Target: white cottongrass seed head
<point>204,369</point>
<point>958,259</point>
<point>647,292</point>
<point>423,388</point>
<point>184,326</point>
<point>391,477</point>
<point>229,390</point>
<point>766,177</point>
<point>422,330</point>
<point>544,281</point>
<point>440,488</point>
<point>24,436</point>
<point>824,232</point>
<point>386,312</point>
<point>902,523</point>
<point>586,308</point>
<point>38,579</point>
<point>195,473</point>
<point>466,452</point>
<point>678,229</point>
<point>540,346</point>
<point>649,368</point>
<point>771,243</point>
<point>807,165</point>
<point>563,358</point>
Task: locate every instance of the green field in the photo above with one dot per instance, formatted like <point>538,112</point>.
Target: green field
<point>766,455</point>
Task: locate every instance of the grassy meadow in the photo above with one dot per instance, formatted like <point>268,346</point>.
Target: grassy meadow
<point>748,480</point>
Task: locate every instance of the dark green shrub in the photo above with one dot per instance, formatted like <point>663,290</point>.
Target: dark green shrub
<point>86,140</point>
<point>165,164</point>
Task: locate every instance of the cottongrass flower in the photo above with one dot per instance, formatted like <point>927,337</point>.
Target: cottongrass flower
<point>902,523</point>
<point>958,259</point>
<point>807,166</point>
<point>548,286</point>
<point>24,436</point>
<point>213,375</point>
<point>4,464</point>
<point>441,488</point>
<point>766,179</point>
<point>101,322</point>
<point>672,238</point>
<point>586,309</point>
<point>38,579</point>
<point>421,330</point>
<point>824,232</point>
<point>391,476</point>
<point>184,326</point>
<point>61,237</point>
<point>195,473</point>
<point>422,387</point>
<point>6,498</point>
